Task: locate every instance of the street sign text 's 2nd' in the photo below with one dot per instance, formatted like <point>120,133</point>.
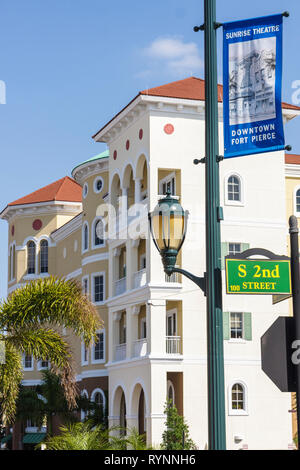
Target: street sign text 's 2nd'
<point>258,276</point>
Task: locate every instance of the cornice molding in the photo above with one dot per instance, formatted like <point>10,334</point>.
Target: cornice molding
<point>41,208</point>
<point>94,167</point>
<point>292,171</point>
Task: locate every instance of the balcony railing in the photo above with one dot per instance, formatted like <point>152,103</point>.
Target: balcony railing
<point>175,277</point>
<point>173,344</point>
<point>120,286</point>
<point>139,278</point>
<point>120,352</point>
<point>140,347</point>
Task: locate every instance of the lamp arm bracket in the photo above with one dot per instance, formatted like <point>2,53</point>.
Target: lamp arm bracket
<point>200,281</point>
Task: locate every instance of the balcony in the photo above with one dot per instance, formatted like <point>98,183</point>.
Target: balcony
<point>173,344</point>
<point>120,352</point>
<point>120,286</point>
<point>175,277</point>
<point>139,278</point>
<point>140,348</point>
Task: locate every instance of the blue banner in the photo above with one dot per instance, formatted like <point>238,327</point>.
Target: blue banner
<point>252,75</point>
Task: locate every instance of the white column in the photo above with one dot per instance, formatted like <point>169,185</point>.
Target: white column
<point>134,325</point>
<point>124,208</point>
<point>156,327</point>
<point>129,267</point>
<point>128,332</point>
<point>137,190</point>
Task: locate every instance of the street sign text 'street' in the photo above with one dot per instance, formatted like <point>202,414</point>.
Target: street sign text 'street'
<point>258,276</point>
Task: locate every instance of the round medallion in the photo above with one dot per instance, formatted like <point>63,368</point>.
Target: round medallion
<point>115,155</point>
<point>127,144</point>
<point>37,224</point>
<point>169,129</point>
<point>141,133</point>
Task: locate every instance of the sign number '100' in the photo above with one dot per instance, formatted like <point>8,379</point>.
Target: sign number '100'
<point>258,276</point>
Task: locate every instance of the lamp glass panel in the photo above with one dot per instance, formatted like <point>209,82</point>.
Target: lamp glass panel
<point>176,230</point>
<point>157,230</point>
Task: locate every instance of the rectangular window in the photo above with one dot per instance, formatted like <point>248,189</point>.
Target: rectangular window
<point>99,347</point>
<point>28,361</point>
<point>43,364</point>
<point>234,248</point>
<point>236,325</point>
<point>98,288</point>
<point>143,328</point>
<point>168,184</point>
<point>85,285</point>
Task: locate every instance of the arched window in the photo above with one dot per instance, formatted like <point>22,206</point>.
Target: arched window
<point>298,200</point>
<point>14,262</point>
<point>234,188</point>
<point>85,395</point>
<point>10,264</point>
<point>44,256</point>
<point>85,237</point>
<point>237,399</point>
<point>98,233</point>
<point>98,397</point>
<point>31,257</point>
<point>171,392</point>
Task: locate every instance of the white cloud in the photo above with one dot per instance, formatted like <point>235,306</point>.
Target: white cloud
<point>175,55</point>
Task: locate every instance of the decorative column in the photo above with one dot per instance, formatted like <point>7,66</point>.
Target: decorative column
<point>156,328</point>
<point>137,190</point>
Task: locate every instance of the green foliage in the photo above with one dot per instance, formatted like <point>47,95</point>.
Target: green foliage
<point>30,318</point>
<point>85,436</point>
<point>176,435</point>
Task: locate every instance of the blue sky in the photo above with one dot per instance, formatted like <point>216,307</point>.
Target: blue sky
<point>70,65</point>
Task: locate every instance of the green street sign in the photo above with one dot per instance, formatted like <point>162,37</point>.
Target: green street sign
<point>258,276</point>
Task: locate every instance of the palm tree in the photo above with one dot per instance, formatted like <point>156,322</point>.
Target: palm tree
<point>30,320</point>
<point>85,436</point>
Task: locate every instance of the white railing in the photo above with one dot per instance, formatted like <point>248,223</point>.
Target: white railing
<point>173,278</point>
<point>120,353</point>
<point>173,344</point>
<point>140,347</point>
<point>120,286</point>
<point>139,278</point>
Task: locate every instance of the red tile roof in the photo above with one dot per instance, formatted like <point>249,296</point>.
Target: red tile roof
<point>65,189</point>
<point>292,159</point>
<point>191,88</point>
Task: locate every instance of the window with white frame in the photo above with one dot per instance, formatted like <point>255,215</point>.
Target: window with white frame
<point>98,184</point>
<point>170,392</point>
<point>44,256</point>
<point>27,362</point>
<point>85,237</point>
<point>84,354</point>
<point>168,184</point>
<point>233,190</point>
<point>43,364</point>
<point>143,262</point>
<point>234,248</point>
<point>85,285</point>
<point>143,328</point>
<point>237,326</point>
<point>85,190</point>
<point>98,233</point>
<point>98,288</point>
<point>237,396</point>
<point>84,394</point>
<point>98,397</point>
<point>98,348</point>
<point>31,251</point>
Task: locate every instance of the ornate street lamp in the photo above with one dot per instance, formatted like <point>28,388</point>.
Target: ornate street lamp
<point>168,225</point>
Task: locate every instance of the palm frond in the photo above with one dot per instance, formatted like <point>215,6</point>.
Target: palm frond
<point>54,301</point>
<point>10,377</point>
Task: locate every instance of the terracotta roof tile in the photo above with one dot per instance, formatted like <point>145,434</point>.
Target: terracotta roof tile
<point>292,159</point>
<point>65,189</point>
<point>191,88</point>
